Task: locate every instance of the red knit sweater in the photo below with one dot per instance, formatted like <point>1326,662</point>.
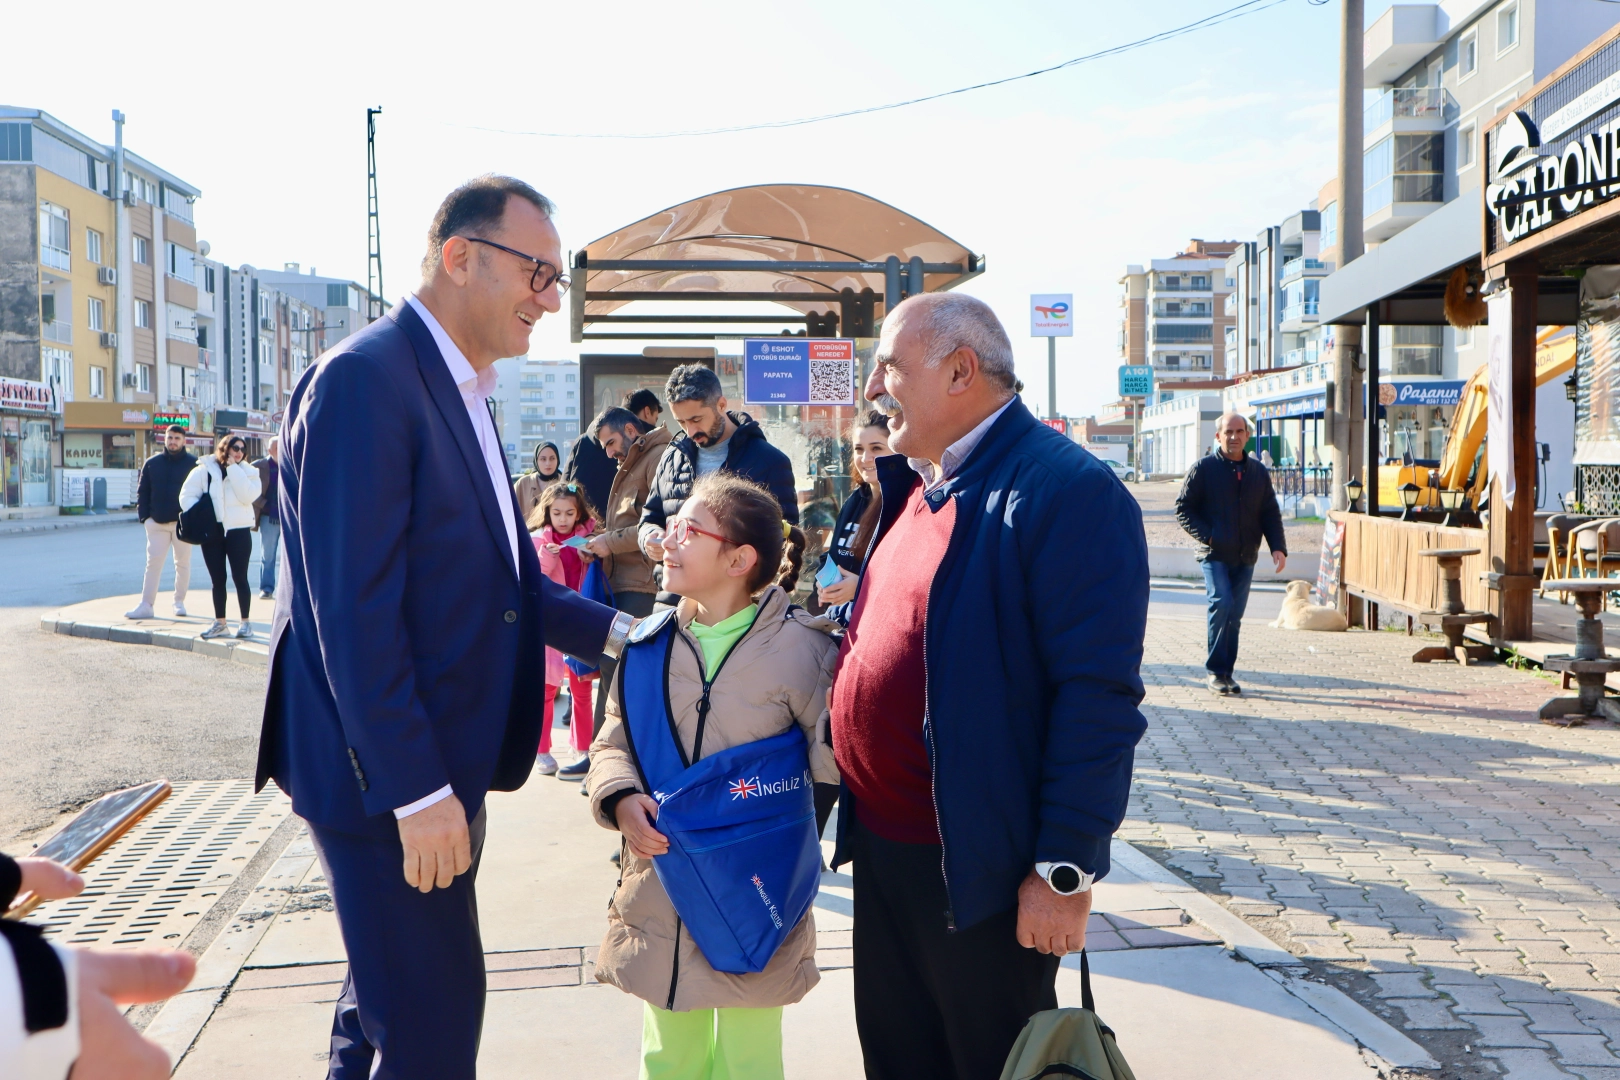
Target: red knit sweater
<point>879,693</point>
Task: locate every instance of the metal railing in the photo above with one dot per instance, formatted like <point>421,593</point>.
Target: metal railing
<point>1405,187</point>
<point>1295,267</point>
<point>1305,309</point>
<point>56,258</point>
<point>1407,103</point>
<point>1158,288</point>
<point>1184,315</point>
<point>58,331</point>
<point>1301,480</point>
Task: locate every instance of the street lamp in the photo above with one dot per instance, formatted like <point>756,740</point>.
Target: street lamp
<point>1570,386</point>
<point>1451,501</point>
<point>1352,491</point>
<point>1409,498</point>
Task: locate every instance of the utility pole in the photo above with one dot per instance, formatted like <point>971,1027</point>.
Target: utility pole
<point>1051,377</point>
<point>374,282</point>
<point>1344,428</point>
<point>124,313</point>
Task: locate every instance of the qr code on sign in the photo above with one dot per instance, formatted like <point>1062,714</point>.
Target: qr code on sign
<point>831,382</point>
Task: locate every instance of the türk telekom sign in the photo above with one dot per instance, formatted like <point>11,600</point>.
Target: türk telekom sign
<point>1555,157</point>
<point>21,395</point>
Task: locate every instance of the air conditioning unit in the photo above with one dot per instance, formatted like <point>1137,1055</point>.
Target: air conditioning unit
<point>106,275</point>
<point>267,324</point>
<point>109,340</point>
<point>129,198</point>
<point>129,379</point>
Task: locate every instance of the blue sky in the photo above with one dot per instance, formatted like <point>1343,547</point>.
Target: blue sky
<point>1060,180</point>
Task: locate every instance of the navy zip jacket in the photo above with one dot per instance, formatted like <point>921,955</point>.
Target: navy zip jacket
<point>1033,653</point>
<point>748,454</point>
<point>1227,506</point>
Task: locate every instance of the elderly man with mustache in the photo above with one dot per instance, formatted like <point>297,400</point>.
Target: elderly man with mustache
<point>984,711</point>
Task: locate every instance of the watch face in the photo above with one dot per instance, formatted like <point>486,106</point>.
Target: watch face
<point>1064,879</point>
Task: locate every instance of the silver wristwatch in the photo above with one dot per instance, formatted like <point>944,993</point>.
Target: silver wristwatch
<point>1064,878</point>
<point>622,624</point>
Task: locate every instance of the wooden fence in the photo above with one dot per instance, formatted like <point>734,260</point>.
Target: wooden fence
<point>1382,565</point>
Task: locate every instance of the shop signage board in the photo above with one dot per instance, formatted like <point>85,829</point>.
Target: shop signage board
<point>1330,568</point>
<point>137,416</point>
<point>1136,380</point>
<point>1435,393</point>
<point>23,395</point>
<point>1552,158</point>
<point>167,420</point>
<point>1057,424</point>
<point>1051,315</point>
<point>81,451</point>
<point>799,371</point>
<point>1309,405</point>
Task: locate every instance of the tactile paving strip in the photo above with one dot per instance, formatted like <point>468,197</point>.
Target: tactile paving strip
<point>157,882</point>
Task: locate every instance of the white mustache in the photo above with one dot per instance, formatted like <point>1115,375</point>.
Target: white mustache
<point>887,403</point>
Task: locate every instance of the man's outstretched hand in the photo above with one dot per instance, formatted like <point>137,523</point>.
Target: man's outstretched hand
<point>437,844</point>
<point>1048,922</point>
<point>108,1047</point>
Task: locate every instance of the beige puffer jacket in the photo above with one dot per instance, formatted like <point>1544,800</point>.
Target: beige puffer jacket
<point>777,675</point>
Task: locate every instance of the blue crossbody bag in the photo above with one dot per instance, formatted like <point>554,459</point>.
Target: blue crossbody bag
<point>744,861</point>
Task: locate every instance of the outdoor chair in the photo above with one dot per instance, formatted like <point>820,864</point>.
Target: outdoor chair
<point>1559,552</point>
<point>1595,546</point>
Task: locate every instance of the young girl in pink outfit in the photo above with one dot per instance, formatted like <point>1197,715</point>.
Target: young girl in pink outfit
<point>562,514</point>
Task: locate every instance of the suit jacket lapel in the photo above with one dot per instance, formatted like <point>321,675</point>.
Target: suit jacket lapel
<point>447,397</point>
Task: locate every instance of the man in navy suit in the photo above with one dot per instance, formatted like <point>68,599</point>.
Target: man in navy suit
<point>406,674</point>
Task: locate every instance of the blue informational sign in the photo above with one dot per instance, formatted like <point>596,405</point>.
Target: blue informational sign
<point>799,371</point>
<point>1136,380</point>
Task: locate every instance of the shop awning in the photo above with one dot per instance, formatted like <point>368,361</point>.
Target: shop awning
<point>1302,402</point>
<point>814,249</point>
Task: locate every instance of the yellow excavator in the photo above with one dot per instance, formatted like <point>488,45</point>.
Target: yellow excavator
<point>1462,465</point>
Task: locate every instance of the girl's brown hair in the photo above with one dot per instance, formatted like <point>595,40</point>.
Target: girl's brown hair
<point>540,516</point>
<point>751,516</point>
<point>874,508</point>
<point>222,448</point>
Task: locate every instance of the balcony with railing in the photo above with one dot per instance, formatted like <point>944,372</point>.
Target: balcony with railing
<point>1300,267</point>
<point>1304,309</point>
<point>57,331</point>
<point>56,258</point>
<point>1424,104</point>
<point>1184,311</point>
<point>1182,287</point>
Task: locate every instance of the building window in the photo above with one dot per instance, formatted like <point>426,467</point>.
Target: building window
<point>550,377</point>
<point>92,245</point>
<point>143,314</point>
<point>1468,54</point>
<point>551,410</point>
<point>53,237</point>
<point>182,263</point>
<point>143,378</point>
<point>1507,27</point>
<point>568,378</point>
<point>1466,138</point>
<point>98,314</point>
<point>98,382</point>
<point>58,364</point>
<point>1330,225</point>
<point>208,279</point>
<point>143,250</point>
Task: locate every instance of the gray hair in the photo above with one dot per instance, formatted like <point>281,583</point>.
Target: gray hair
<point>621,420</point>
<point>951,321</point>
<point>1220,423</point>
<point>693,382</point>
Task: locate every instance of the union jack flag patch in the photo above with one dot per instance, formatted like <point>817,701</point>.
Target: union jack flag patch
<point>744,788</point>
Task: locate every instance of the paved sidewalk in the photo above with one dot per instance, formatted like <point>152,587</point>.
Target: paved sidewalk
<point>21,526</point>
<point>104,620</point>
<point>1414,831</point>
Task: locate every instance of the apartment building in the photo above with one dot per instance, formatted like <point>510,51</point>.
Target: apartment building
<point>548,408</point>
<point>99,320</point>
<point>1173,314</point>
<point>1276,280</point>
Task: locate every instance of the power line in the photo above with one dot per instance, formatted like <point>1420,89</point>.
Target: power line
<point>1248,7</point>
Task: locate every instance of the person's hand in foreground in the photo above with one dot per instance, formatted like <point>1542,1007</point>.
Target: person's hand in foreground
<point>437,844</point>
<point>109,1048</point>
<point>48,879</point>
<point>841,591</point>
<point>635,815</point>
<point>1048,922</point>
<point>598,546</point>
<point>1279,559</point>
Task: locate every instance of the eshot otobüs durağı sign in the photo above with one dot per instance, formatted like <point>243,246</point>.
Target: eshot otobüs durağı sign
<point>799,371</point>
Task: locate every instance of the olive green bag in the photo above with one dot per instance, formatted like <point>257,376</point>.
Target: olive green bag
<point>1068,1042</point>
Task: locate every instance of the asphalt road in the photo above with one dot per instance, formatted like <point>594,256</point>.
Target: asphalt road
<point>79,718</point>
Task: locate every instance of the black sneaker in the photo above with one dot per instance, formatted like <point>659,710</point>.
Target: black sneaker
<point>576,771</point>
<point>1217,685</point>
<point>1232,687</point>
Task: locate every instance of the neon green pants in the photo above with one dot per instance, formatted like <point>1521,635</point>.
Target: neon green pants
<point>711,1044</point>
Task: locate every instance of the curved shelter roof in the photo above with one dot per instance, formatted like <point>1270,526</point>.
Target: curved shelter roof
<point>796,244</point>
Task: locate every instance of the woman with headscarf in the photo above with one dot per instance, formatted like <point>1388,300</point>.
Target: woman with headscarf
<point>546,471</point>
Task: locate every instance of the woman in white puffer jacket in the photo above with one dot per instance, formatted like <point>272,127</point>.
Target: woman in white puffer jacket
<point>232,485</point>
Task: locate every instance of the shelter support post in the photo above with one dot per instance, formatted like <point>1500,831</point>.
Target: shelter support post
<point>891,285</point>
<point>1371,432</point>
<point>1516,527</point>
<point>914,276</point>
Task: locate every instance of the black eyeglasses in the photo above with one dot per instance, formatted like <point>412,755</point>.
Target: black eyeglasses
<point>545,275</point>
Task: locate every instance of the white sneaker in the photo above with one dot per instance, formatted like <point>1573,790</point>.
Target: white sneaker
<point>214,631</point>
<point>545,764</point>
<point>245,630</point>
<point>179,610</point>
<point>141,611</point>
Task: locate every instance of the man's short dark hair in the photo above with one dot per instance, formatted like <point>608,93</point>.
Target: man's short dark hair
<point>693,382</point>
<point>623,421</point>
<point>475,209</point>
<point>643,399</point>
<point>176,429</point>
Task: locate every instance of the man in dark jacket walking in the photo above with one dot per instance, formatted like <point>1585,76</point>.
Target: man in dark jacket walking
<point>1227,505</point>
<point>984,709</point>
<point>157,505</point>
<point>713,439</point>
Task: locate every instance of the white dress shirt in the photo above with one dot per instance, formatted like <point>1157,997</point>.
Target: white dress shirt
<point>475,386</point>
<point>956,453</point>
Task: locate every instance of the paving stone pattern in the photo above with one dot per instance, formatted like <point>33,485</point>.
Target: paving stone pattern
<point>1415,824</point>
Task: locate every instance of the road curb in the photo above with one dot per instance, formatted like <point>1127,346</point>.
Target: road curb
<point>35,526</point>
<point>252,652</point>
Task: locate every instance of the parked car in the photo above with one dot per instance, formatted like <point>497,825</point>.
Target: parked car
<point>1121,470</point>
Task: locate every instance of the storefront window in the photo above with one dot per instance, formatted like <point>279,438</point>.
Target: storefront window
<point>34,465</point>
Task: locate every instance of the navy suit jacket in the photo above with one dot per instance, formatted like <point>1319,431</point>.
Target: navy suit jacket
<point>405,654</point>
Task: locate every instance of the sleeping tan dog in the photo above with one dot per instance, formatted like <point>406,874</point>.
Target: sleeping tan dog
<point>1298,613</point>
